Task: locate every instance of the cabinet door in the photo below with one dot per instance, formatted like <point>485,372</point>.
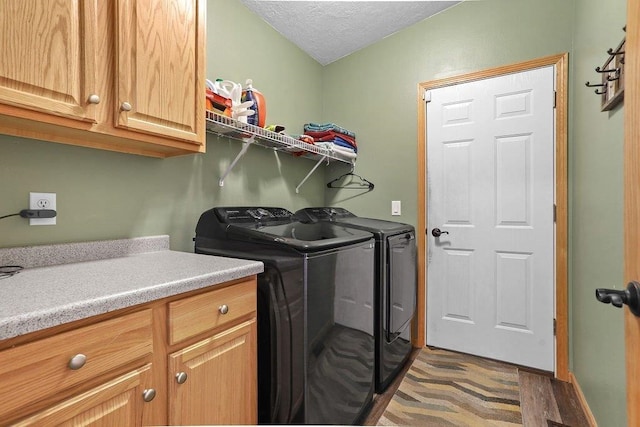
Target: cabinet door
<point>48,56</point>
<point>118,402</point>
<point>221,379</point>
<point>160,67</point>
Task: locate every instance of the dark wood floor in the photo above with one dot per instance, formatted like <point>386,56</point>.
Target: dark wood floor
<point>544,401</point>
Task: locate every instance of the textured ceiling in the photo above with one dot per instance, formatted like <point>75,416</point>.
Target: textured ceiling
<point>330,30</point>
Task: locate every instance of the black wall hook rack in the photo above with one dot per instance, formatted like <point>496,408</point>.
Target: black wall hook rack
<point>611,88</point>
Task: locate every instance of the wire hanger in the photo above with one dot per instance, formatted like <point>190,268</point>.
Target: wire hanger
<point>352,185</point>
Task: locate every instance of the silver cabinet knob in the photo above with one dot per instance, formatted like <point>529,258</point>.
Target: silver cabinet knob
<point>94,99</point>
<point>77,361</point>
<point>148,394</point>
<point>223,309</point>
<point>125,106</point>
<point>181,377</point>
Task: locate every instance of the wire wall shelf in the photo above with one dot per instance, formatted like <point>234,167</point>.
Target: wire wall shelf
<point>254,135</point>
<point>226,126</point>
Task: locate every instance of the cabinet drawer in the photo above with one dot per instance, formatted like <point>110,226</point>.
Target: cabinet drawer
<point>96,407</point>
<point>38,370</point>
<point>191,316</point>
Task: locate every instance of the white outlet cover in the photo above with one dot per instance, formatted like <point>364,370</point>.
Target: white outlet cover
<point>42,201</point>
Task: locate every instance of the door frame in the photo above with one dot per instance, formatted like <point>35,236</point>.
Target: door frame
<point>560,62</point>
<point>632,203</point>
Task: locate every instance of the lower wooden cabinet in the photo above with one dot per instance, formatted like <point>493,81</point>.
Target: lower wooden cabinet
<point>212,381</point>
<point>124,369</point>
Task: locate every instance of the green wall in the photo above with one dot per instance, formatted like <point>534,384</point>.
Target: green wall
<point>597,258</point>
<point>104,195</point>
<point>374,92</point>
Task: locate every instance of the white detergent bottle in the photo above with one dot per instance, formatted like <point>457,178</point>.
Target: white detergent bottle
<point>259,106</point>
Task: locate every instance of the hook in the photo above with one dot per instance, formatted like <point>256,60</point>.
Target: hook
<point>613,53</point>
<point>600,93</point>
<point>600,70</point>
<point>587,84</point>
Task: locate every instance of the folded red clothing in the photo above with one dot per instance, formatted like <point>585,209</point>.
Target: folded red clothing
<point>329,135</point>
<point>318,134</point>
<point>351,140</point>
<point>324,138</point>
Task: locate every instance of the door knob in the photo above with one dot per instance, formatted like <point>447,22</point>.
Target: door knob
<point>630,297</point>
<point>436,232</point>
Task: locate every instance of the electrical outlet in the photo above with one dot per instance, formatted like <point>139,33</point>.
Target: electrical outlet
<point>42,201</point>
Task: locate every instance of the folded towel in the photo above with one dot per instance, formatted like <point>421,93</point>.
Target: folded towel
<point>328,138</point>
<point>319,134</point>
<point>325,145</point>
<point>345,152</point>
<point>344,143</point>
<point>327,135</point>
<point>328,126</point>
<point>351,140</point>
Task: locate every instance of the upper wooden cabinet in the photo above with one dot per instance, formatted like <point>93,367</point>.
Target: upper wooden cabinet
<point>121,75</point>
<point>159,59</point>
<point>48,60</point>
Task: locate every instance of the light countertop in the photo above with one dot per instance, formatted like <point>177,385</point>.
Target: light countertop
<point>42,296</point>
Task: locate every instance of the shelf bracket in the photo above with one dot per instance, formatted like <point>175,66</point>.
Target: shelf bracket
<point>310,172</point>
<point>245,147</point>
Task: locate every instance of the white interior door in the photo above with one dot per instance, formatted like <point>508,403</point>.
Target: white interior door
<point>490,186</point>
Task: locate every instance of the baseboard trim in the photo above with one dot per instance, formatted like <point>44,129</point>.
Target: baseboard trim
<point>583,401</point>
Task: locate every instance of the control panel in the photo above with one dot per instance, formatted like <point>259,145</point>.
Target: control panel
<point>235,215</point>
<point>322,214</point>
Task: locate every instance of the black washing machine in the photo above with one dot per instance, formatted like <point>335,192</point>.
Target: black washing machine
<point>315,311</point>
<point>395,284</point>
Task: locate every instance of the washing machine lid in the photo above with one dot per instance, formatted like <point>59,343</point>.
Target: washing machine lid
<point>376,225</point>
<point>302,237</point>
<point>343,216</point>
<point>275,226</point>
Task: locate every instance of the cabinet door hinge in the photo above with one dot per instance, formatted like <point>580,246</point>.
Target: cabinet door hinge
<point>555,210</point>
<point>555,98</point>
<point>426,96</point>
<point>555,326</point>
